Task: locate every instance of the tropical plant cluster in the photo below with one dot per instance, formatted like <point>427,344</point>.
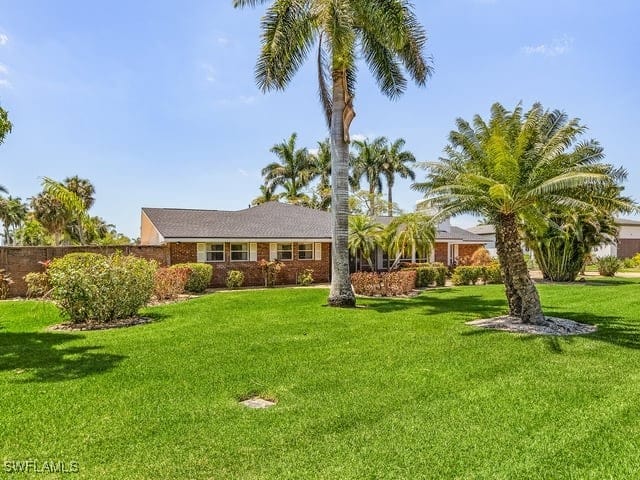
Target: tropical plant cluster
<point>608,266</point>
<point>58,215</point>
<point>98,288</point>
<point>385,284</point>
<point>305,278</point>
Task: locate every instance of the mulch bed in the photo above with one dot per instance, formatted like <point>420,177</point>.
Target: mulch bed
<point>121,323</point>
<point>552,326</point>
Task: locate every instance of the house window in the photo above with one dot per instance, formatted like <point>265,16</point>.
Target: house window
<point>285,251</point>
<point>239,252</point>
<point>305,251</point>
<point>215,252</point>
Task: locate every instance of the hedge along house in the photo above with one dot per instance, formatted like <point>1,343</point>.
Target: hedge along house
<point>236,240</point>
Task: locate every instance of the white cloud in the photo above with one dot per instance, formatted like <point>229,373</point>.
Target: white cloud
<point>359,137</point>
<point>559,46</point>
<point>243,172</point>
<point>4,83</point>
<point>3,39</point>
<point>222,40</point>
<point>313,151</point>
<point>3,69</point>
<point>247,100</point>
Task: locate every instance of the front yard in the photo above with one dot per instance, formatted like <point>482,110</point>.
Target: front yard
<point>398,389</point>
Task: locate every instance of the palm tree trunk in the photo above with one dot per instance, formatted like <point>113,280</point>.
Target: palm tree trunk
<point>390,199</point>
<point>372,199</point>
<point>341,294</point>
<point>524,301</point>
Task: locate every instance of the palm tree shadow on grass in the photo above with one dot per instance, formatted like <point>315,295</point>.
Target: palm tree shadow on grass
<point>432,302</point>
<point>611,329</point>
<point>44,357</point>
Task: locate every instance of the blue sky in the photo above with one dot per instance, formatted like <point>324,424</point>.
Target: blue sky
<point>155,102</point>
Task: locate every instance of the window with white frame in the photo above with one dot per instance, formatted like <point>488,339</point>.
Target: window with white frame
<point>239,252</point>
<point>305,251</point>
<point>215,252</point>
<point>285,251</point>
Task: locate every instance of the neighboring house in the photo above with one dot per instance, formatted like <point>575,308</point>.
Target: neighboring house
<point>627,243</point>
<point>300,237</point>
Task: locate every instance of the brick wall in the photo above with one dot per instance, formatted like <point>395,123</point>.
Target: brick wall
<point>19,261</point>
<point>253,276</point>
<point>467,250</point>
<point>440,251</point>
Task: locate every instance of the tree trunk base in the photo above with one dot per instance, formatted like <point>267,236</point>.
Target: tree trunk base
<point>342,301</point>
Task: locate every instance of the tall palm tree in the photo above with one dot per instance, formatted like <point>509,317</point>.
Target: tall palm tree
<point>391,41</point>
<point>396,162</point>
<point>13,212</point>
<point>365,234</point>
<point>512,170</point>
<point>83,188</point>
<point>367,162</point>
<point>293,171</point>
<point>410,233</point>
<point>321,171</point>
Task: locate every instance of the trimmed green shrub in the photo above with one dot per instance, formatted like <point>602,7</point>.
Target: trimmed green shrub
<point>235,278</point>
<point>608,266</point>
<point>429,275</point>
<point>628,263</point>
<point>199,276</point>
<point>471,275</point>
<point>492,273</point>
<point>38,284</point>
<point>305,278</point>
<point>388,284</point>
<point>636,260</point>
<point>170,282</point>
<point>94,287</point>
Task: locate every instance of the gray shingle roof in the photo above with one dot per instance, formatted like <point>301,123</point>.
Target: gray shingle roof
<point>270,220</point>
<point>483,230</point>
<point>454,233</point>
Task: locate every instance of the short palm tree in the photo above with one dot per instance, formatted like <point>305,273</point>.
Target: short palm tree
<point>293,171</point>
<point>391,41</point>
<point>408,233</point>
<point>13,213</point>
<point>365,234</point>
<point>396,162</point>
<point>511,171</point>
<point>368,161</point>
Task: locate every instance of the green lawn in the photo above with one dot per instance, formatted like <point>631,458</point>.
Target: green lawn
<point>399,389</point>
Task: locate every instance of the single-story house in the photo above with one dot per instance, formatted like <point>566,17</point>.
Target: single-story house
<point>300,237</point>
<point>236,240</point>
<point>627,243</point>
